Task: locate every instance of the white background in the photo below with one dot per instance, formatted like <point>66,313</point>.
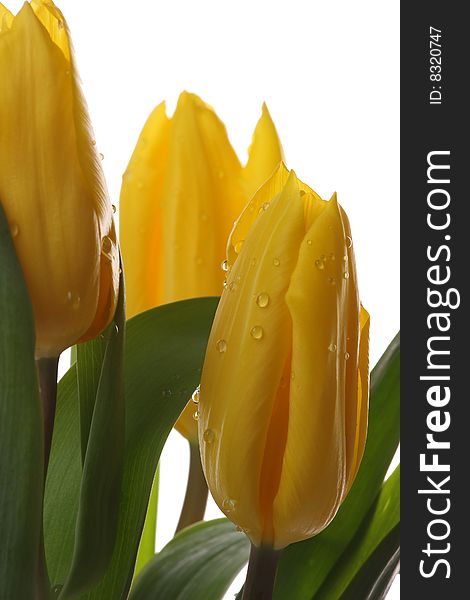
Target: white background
<point>329,72</point>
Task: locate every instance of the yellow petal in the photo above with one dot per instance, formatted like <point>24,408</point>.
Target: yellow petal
<point>245,360</point>
<point>53,20</point>
<point>140,215</point>
<point>264,154</point>
<point>6,18</point>
<point>51,184</point>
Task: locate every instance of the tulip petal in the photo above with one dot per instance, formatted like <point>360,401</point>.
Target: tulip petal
<point>250,335</point>
<point>316,446</point>
<point>51,183</point>
<point>53,20</point>
<point>6,18</point>
<point>264,154</point>
<point>140,215</point>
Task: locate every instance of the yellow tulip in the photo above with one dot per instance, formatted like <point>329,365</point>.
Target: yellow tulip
<point>284,390</point>
<point>182,190</point>
<point>51,182</point>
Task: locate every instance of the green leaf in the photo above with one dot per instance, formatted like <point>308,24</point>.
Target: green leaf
<point>163,357</point>
<point>89,360</point>
<point>21,441</point>
<point>365,557</point>
<point>147,542</point>
<point>198,564</point>
<point>376,576</point>
<point>305,566</point>
<point>102,470</point>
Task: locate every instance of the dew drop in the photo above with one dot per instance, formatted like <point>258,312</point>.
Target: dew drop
<point>60,24</point>
<point>228,505</point>
<point>195,395</point>
<point>116,328</point>
<point>323,257</point>
<point>292,375</point>
<point>332,347</point>
<point>222,346</point>
<point>263,207</point>
<point>319,264</point>
<point>196,415</point>
<point>331,280</point>
<point>93,142</point>
<point>101,156</point>
<point>238,246</point>
<point>14,230</point>
<point>302,193</point>
<point>346,275</point>
<point>346,355</point>
<point>239,529</point>
<point>225,284</point>
<point>208,436</point>
<point>106,246</point>
<point>257,332</point>
<point>74,300</point>
<point>276,262</point>
<point>349,241</point>
<point>345,258</point>
<point>232,286</point>
<point>113,206</point>
<point>224,265</point>
<point>309,242</point>
<point>262,300</point>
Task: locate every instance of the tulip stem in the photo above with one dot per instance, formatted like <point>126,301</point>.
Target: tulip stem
<point>261,575</point>
<point>195,499</point>
<point>47,373</point>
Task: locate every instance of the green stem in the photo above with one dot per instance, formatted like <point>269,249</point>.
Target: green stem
<point>261,574</point>
<point>195,500</point>
<point>47,373</point>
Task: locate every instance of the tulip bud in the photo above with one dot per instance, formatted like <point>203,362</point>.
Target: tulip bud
<point>181,193</point>
<point>284,391</point>
<point>51,182</point>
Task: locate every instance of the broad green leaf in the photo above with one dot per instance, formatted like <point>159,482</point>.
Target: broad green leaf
<point>147,542</point>
<point>21,438</point>
<point>198,564</point>
<point>304,566</point>
<point>102,470</point>
<point>376,576</point>
<point>89,360</point>
<point>163,357</point>
<point>382,519</point>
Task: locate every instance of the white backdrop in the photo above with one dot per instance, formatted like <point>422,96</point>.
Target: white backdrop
<point>329,73</point>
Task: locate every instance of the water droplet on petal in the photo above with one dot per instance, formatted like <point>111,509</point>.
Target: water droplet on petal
<point>101,155</point>
<point>349,241</point>
<point>309,242</point>
<point>292,375</point>
<point>262,300</point>
<point>208,436</point>
<point>224,266</point>
<point>225,284</point>
<point>331,280</point>
<point>60,24</point>
<point>263,207</point>
<point>323,257</point>
<point>116,330</point>
<point>74,300</point>
<point>232,286</point>
<point>106,246</point>
<point>196,415</point>
<point>195,395</point>
<point>302,193</point>
<point>276,262</point>
<point>14,230</point>
<point>346,275</point>
<point>239,529</point>
<point>93,142</point>
<point>113,206</point>
<point>238,246</point>
<point>257,332</point>
<point>332,347</point>
<point>346,355</point>
<point>222,346</point>
<point>319,264</point>
<point>228,505</point>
